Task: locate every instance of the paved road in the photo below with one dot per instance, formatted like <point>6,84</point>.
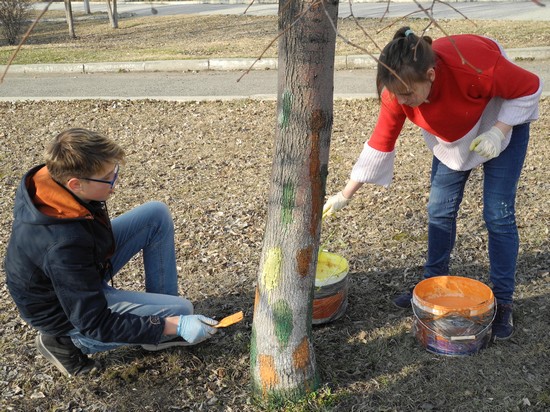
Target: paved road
<point>202,85</point>
<point>510,10</point>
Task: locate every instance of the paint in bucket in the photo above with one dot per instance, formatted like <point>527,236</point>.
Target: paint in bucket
<point>330,298</point>
<point>453,315</point>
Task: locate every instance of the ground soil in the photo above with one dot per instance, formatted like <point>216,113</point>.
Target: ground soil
<point>210,162</point>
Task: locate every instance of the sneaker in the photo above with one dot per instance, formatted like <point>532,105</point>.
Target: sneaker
<point>172,343</point>
<point>403,301</point>
<point>65,356</point>
<point>503,325</point>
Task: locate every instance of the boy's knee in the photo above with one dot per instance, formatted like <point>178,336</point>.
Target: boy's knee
<point>160,211</point>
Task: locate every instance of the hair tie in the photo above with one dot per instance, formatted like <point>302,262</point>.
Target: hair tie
<point>408,32</point>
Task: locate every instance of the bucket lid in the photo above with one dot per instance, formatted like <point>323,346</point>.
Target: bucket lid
<point>331,268</point>
<point>444,294</point>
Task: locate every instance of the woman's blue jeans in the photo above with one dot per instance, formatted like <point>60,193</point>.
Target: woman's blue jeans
<point>148,228</point>
<point>500,181</point>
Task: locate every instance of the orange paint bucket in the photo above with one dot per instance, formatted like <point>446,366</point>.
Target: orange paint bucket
<point>453,315</point>
<point>330,298</point>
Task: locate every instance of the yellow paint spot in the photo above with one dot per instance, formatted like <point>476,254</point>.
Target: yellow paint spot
<point>268,375</point>
<point>271,272</point>
<point>300,356</point>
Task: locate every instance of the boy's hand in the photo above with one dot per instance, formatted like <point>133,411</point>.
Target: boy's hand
<point>488,144</point>
<point>196,328</point>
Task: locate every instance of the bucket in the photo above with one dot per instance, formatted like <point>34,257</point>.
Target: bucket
<point>453,315</point>
<point>330,298</point>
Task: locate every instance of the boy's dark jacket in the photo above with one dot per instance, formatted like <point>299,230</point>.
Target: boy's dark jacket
<point>55,263</point>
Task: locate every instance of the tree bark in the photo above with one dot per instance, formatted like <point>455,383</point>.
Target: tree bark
<point>70,19</point>
<point>113,14</point>
<point>282,356</point>
<point>86,4</point>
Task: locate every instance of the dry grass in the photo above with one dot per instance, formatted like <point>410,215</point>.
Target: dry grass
<point>193,37</point>
<point>208,162</point>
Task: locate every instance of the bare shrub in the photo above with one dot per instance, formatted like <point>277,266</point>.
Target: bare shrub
<point>14,15</point>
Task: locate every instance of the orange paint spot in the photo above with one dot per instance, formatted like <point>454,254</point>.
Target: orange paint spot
<point>268,375</point>
<point>304,260</point>
<point>320,124</point>
<point>256,299</point>
<point>300,356</point>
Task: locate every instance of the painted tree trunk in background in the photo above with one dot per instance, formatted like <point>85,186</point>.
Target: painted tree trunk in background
<point>282,357</point>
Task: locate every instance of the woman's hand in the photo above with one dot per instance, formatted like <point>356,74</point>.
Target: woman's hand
<point>335,203</point>
<point>488,144</point>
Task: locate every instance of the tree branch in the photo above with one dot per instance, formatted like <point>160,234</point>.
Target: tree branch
<point>25,37</point>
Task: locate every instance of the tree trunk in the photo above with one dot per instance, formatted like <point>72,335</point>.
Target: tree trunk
<point>112,12</point>
<point>70,19</point>
<point>282,358</point>
<point>86,4</point>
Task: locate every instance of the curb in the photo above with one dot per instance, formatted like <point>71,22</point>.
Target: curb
<point>347,62</point>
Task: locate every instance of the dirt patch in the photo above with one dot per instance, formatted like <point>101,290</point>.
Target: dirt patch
<point>210,162</point>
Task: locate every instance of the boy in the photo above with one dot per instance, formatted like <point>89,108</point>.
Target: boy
<point>64,249</point>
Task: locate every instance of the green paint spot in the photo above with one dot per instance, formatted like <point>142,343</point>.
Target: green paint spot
<point>282,316</point>
<point>289,197</point>
<point>272,268</point>
<point>284,115</point>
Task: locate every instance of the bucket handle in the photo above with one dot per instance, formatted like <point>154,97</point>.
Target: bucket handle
<point>456,338</point>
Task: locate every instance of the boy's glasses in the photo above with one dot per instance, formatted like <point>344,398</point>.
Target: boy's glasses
<point>109,182</point>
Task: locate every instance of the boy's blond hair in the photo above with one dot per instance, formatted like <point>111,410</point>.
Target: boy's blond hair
<point>80,153</point>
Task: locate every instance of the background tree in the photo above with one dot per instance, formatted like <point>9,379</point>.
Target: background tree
<point>282,357</point>
<point>112,12</point>
<point>13,17</point>
<point>70,18</point>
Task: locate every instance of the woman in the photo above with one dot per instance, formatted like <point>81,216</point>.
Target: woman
<point>474,108</point>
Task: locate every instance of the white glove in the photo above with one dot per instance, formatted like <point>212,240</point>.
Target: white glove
<point>196,328</point>
<point>488,144</point>
<point>335,203</point>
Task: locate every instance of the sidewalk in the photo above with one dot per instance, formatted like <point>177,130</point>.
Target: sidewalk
<point>347,62</point>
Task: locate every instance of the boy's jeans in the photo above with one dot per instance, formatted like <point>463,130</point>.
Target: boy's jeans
<point>500,182</point>
<point>148,228</point>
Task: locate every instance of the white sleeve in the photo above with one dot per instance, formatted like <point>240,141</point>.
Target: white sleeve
<point>374,166</point>
<point>521,110</point>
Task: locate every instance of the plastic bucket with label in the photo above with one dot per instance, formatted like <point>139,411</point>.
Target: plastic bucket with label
<point>453,315</point>
<point>330,298</point>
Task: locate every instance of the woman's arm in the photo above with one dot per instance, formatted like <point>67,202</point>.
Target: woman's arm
<point>351,187</point>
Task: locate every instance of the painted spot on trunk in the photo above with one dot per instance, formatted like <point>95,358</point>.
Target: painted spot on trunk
<point>304,260</point>
<point>300,357</point>
<point>284,115</point>
<point>318,123</point>
<point>256,299</point>
<point>289,196</point>
<point>271,272</point>
<point>268,375</point>
<point>282,318</point>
